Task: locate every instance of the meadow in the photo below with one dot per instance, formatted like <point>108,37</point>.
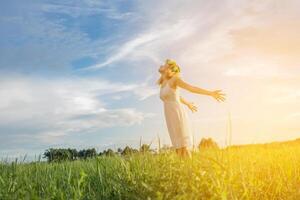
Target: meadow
<point>250,172</point>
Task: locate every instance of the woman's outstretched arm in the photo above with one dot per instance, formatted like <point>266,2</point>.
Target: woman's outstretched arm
<point>188,104</point>
<point>182,100</point>
<point>194,89</point>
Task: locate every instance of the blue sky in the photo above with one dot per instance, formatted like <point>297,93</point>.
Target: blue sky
<point>82,73</point>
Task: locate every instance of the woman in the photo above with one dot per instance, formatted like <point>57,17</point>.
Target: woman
<point>175,115</point>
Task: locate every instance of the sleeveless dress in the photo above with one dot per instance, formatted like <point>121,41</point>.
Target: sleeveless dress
<point>176,117</point>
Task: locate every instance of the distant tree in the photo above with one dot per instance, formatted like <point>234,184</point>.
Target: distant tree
<point>145,148</point>
<point>91,152</point>
<point>128,151</point>
<point>73,153</point>
<point>208,143</point>
<point>119,150</point>
<point>109,152</point>
<point>57,155</point>
<point>48,154</point>
<point>87,153</point>
<point>82,153</point>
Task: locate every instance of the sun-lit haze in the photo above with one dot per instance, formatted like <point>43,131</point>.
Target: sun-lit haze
<point>82,73</point>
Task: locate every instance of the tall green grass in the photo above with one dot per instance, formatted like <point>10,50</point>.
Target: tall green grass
<point>257,172</point>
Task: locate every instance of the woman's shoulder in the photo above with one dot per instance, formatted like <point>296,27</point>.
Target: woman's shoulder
<point>173,81</point>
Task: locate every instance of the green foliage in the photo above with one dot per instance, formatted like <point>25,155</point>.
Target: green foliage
<point>145,148</point>
<point>108,152</point>
<point>61,154</point>
<point>207,143</point>
<point>128,151</point>
<point>261,172</point>
<point>58,155</point>
<point>87,153</point>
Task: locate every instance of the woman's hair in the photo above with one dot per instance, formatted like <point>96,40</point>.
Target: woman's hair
<point>174,68</point>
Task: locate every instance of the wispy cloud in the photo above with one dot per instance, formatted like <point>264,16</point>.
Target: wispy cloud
<point>51,43</point>
<point>52,108</point>
<point>85,8</point>
<point>182,28</point>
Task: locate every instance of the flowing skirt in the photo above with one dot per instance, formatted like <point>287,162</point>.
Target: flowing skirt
<point>178,124</point>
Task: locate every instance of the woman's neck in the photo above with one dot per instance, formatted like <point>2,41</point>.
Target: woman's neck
<point>165,77</point>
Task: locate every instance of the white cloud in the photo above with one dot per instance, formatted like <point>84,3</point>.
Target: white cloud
<point>85,8</point>
<point>51,43</point>
<point>53,108</point>
<point>92,121</point>
<point>153,37</point>
<point>144,91</point>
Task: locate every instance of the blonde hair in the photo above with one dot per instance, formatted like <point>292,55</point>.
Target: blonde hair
<point>174,68</point>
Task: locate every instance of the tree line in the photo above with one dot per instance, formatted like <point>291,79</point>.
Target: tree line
<point>63,154</point>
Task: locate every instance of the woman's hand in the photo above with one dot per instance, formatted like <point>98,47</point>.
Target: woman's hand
<point>192,107</point>
<point>218,95</point>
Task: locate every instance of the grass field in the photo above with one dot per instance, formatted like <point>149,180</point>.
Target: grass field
<point>254,172</point>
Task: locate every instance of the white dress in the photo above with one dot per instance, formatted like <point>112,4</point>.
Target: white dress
<point>176,117</point>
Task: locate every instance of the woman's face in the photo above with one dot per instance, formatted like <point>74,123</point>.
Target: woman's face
<point>169,73</point>
<point>163,68</point>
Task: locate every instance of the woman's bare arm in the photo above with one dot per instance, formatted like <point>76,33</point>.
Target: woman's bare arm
<point>182,100</point>
<point>188,104</point>
<point>194,89</point>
